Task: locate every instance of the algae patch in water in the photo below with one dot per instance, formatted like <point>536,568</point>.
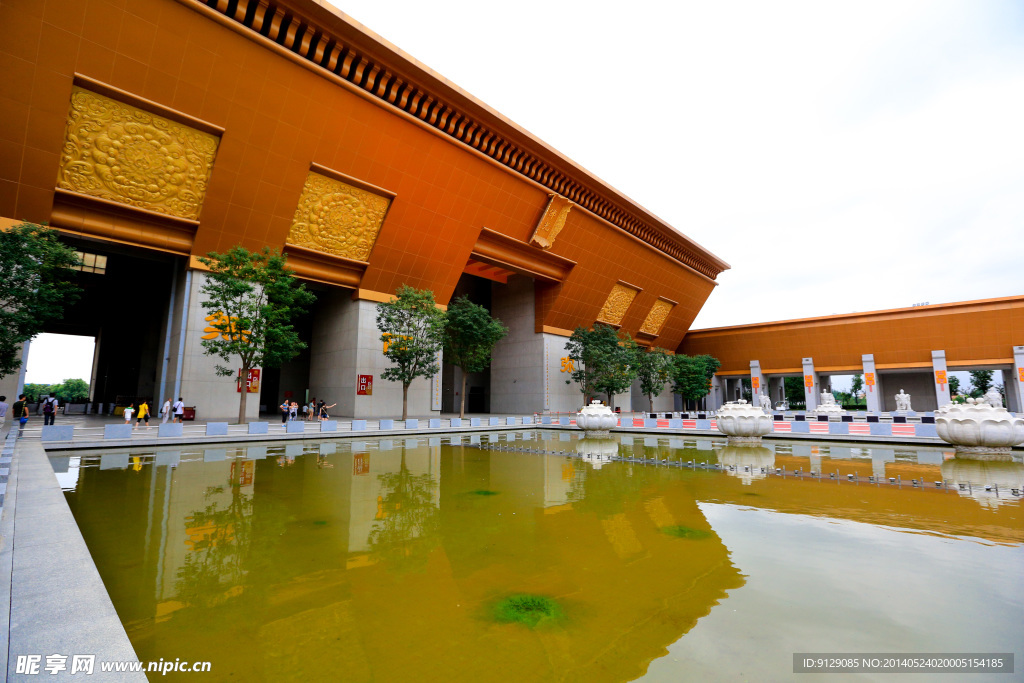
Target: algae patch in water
<point>527,609</point>
<point>484,492</point>
<point>685,532</point>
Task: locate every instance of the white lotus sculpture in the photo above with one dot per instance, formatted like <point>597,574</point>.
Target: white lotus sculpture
<point>596,419</point>
<point>979,430</point>
<point>742,422</point>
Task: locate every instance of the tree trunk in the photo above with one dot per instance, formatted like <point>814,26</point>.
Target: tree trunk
<point>611,401</point>
<point>650,398</point>
<point>462,404</point>
<point>245,394</point>
<point>405,401</point>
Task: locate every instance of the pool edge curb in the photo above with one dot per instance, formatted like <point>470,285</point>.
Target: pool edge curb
<point>54,600</point>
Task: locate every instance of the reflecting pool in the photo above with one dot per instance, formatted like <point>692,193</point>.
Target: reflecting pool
<point>505,556</point>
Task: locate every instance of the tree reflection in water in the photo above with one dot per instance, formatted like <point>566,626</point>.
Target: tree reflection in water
<point>407,526</point>
<point>222,537</point>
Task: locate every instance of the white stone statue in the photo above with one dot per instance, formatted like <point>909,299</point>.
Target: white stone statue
<point>903,401</point>
<point>827,405</point>
<point>994,398</point>
<point>766,403</point>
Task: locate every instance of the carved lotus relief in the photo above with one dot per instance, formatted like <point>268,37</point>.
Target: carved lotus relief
<point>656,317</point>
<point>120,153</point>
<point>617,303</point>
<point>336,218</point>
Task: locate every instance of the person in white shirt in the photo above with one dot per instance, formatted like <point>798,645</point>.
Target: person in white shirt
<point>3,412</point>
<point>128,414</point>
<point>179,410</point>
<point>166,410</point>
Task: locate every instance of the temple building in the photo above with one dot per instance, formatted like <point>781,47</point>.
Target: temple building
<point>152,132</point>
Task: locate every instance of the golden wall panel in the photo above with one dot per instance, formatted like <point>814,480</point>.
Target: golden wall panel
<point>552,222</point>
<point>656,317</point>
<point>617,303</point>
<point>336,218</point>
<point>120,153</point>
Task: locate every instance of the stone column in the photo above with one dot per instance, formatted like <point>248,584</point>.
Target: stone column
<point>530,369</point>
<point>715,397</point>
<point>1015,383</point>
<point>757,383</point>
<point>13,384</point>
<point>871,388</point>
<point>810,377</point>
<point>939,378</point>
<point>213,396</point>
<point>346,344</point>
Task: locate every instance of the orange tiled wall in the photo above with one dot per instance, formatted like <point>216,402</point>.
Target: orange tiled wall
<point>971,331</point>
<point>279,118</point>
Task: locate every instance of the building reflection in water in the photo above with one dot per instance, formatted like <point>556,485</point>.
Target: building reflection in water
<point>320,556</point>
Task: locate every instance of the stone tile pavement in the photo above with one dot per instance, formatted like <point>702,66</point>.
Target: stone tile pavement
<point>52,599</point>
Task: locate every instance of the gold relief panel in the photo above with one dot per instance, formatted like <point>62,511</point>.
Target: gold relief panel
<point>120,153</point>
<point>656,317</point>
<point>552,222</point>
<point>617,303</point>
<point>336,218</point>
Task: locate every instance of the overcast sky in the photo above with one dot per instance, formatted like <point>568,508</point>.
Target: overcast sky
<point>840,156</point>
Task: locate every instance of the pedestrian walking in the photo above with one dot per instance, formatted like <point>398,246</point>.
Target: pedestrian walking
<point>3,412</point>
<point>20,413</point>
<point>128,413</point>
<point>143,413</point>
<point>311,411</point>
<point>293,411</point>
<point>285,407</point>
<point>179,410</point>
<point>50,406</point>
<point>166,411</point>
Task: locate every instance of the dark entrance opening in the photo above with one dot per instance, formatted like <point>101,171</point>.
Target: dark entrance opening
<point>478,384</point>
<point>123,305</point>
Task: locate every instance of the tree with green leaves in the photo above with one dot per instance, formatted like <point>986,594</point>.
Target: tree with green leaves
<point>691,375</point>
<point>412,329</point>
<point>620,373</point>
<point>856,386</point>
<point>652,369</point>
<point>954,385</point>
<point>37,280</point>
<point>72,391</point>
<point>469,338</point>
<point>604,361</point>
<point>34,392</point>
<point>981,380</point>
<point>794,388</point>
<point>253,298</point>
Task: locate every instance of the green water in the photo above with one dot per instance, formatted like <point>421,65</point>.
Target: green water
<point>417,559</point>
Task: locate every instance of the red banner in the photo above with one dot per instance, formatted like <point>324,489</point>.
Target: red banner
<point>364,385</point>
<point>252,383</point>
